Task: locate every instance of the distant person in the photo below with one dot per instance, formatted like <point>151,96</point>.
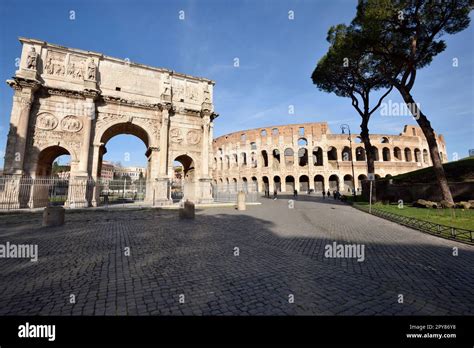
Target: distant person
<point>334,194</point>
<point>295,193</point>
<point>275,194</point>
<point>329,193</point>
<point>324,194</point>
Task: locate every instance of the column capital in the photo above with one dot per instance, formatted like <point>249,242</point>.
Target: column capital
<point>151,149</point>
<point>167,108</point>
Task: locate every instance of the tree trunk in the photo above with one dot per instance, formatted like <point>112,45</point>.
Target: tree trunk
<point>369,150</point>
<point>428,131</point>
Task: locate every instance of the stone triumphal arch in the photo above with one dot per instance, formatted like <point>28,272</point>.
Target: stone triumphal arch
<point>71,101</point>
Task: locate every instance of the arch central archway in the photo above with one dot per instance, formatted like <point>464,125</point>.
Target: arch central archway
<point>125,128</point>
<point>127,184</point>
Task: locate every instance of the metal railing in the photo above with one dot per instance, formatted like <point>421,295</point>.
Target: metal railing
<point>18,192</point>
<point>228,193</point>
<point>450,232</point>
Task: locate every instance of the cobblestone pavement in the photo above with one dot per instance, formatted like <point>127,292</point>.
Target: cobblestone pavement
<point>281,256</point>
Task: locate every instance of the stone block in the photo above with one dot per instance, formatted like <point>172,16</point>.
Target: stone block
<point>187,211</point>
<point>421,203</point>
<point>464,205</point>
<point>445,204</point>
<point>53,216</point>
<point>241,201</point>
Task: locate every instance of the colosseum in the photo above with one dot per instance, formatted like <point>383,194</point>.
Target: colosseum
<point>309,156</point>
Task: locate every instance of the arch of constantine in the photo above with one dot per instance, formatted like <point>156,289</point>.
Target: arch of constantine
<point>309,156</point>
<point>71,101</point>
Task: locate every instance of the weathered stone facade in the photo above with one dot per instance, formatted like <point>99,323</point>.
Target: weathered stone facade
<point>71,101</point>
<point>308,156</point>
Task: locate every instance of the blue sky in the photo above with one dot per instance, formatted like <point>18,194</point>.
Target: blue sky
<point>277,57</point>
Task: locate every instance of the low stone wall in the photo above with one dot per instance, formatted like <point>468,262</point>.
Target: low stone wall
<point>384,190</point>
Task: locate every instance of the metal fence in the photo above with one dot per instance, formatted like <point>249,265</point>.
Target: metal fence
<point>120,191</point>
<point>25,192</point>
<point>228,192</point>
<point>459,234</point>
<point>18,192</point>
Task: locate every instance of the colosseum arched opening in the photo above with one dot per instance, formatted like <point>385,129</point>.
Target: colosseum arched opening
<point>346,154</point>
<point>319,183</point>
<point>302,157</point>
<point>289,184</point>
<point>289,157</point>
<point>318,156</point>
<point>348,185</point>
<point>275,159</point>
<point>361,178</point>
<point>408,157</point>
<point>265,184</point>
<point>304,183</point>
<point>332,154</point>
<point>360,154</point>
<point>277,183</point>
<point>245,184</point>
<point>334,183</point>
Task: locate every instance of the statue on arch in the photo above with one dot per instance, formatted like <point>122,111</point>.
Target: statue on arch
<point>91,70</point>
<point>31,59</point>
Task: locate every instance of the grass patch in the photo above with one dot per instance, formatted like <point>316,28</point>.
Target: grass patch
<point>458,218</point>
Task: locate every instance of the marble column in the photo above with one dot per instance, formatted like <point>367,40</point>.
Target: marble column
<point>158,189</point>
<point>20,119</point>
<point>205,188</point>
<point>205,146</point>
<point>89,107</point>
<point>95,174</point>
<point>164,137</point>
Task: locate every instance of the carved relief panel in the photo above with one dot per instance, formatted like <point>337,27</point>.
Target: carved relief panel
<point>176,136</point>
<point>46,121</point>
<point>76,67</point>
<point>183,136</point>
<point>48,129</point>
<point>186,91</point>
<point>192,92</point>
<point>71,124</point>
<point>193,137</point>
<point>55,63</point>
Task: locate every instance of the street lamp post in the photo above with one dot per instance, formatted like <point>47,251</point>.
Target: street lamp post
<point>343,128</point>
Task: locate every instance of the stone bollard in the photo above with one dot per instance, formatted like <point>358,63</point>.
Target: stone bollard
<point>187,211</point>
<point>241,201</point>
<point>53,216</point>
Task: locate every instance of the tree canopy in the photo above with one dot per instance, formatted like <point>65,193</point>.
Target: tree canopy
<point>407,34</point>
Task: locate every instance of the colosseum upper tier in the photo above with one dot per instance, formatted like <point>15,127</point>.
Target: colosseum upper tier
<point>309,156</point>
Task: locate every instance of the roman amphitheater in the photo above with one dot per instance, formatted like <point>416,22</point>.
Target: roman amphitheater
<point>309,156</point>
